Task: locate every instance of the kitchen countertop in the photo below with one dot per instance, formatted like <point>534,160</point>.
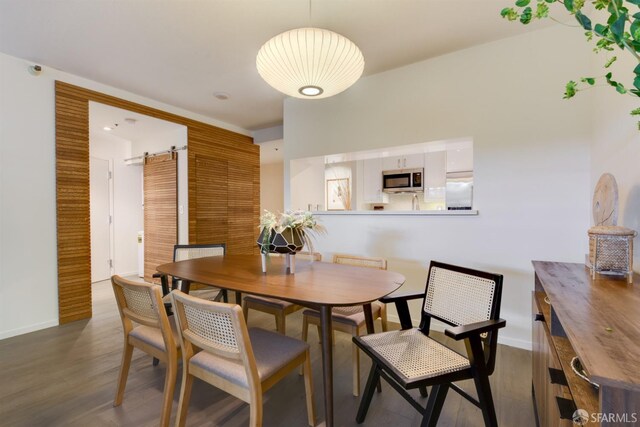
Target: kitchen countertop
<point>472,212</point>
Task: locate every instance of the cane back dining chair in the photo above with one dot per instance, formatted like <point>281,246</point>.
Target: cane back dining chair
<point>279,308</point>
<point>469,302</point>
<point>146,327</point>
<point>350,320</point>
<point>185,252</point>
<point>218,348</point>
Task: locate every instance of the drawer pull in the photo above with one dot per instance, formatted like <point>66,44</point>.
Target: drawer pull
<point>566,408</point>
<point>547,300</point>
<point>539,317</point>
<point>558,377</point>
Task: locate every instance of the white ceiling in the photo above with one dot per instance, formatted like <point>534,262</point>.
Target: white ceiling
<point>144,127</point>
<point>181,51</point>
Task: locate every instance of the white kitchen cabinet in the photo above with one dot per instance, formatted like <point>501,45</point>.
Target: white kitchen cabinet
<point>435,175</point>
<point>410,161</point>
<point>435,169</point>
<point>372,182</point>
<point>460,159</point>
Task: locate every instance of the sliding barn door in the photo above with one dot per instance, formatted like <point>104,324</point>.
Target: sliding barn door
<point>241,212</point>
<point>160,211</point>
<point>224,202</point>
<point>211,200</point>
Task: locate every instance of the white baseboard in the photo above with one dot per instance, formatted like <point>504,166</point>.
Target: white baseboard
<point>505,340</point>
<point>27,329</point>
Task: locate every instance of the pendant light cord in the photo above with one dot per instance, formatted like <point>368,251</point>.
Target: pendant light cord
<point>310,14</point>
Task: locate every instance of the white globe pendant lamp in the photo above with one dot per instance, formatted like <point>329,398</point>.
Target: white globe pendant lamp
<point>310,63</point>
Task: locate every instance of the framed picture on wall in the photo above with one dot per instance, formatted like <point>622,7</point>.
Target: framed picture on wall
<point>338,194</point>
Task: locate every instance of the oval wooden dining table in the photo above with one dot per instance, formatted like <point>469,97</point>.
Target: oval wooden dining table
<point>317,285</point>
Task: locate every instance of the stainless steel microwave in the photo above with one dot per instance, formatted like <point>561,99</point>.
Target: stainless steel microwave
<point>404,180</point>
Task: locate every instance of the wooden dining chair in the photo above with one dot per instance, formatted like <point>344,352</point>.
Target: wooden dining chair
<point>185,252</point>
<point>350,320</point>
<point>280,309</point>
<point>147,328</point>
<point>218,348</point>
<point>469,302</point>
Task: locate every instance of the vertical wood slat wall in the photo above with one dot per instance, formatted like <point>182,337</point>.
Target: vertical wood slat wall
<point>225,183</point>
<point>211,188</point>
<point>204,141</point>
<point>160,177</point>
<point>72,208</point>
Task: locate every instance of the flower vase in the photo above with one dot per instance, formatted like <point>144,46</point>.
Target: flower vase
<point>287,242</point>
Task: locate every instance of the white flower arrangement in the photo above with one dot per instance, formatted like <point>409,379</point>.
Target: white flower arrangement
<point>302,221</point>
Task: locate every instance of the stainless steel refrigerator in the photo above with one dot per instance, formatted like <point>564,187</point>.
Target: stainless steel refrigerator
<point>459,193</point>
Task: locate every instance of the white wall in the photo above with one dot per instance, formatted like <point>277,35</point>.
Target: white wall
<point>28,275</point>
<point>28,264</point>
<point>616,145</point>
<point>531,159</point>
<point>127,200</point>
<point>161,142</point>
<point>305,187</point>
<point>272,187</point>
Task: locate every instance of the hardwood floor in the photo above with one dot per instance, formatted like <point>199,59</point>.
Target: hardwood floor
<point>66,376</point>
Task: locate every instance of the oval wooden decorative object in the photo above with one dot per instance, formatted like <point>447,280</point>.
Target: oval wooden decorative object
<point>605,201</point>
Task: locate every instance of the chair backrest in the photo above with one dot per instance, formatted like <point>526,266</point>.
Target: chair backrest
<point>303,255</point>
<point>142,303</point>
<point>379,263</point>
<point>309,256</point>
<point>460,296</point>
<point>184,252</point>
<point>215,327</point>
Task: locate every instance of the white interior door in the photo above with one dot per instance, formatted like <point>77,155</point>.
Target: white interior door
<point>100,220</point>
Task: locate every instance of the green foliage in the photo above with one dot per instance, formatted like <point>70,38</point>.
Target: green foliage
<point>570,90</point>
<point>620,30</point>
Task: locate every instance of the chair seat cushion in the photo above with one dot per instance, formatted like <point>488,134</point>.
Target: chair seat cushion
<point>272,352</point>
<point>413,354</point>
<point>153,336</point>
<point>272,302</point>
<point>353,315</point>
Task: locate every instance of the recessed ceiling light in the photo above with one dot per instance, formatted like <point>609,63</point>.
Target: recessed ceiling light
<point>107,128</point>
<point>222,96</point>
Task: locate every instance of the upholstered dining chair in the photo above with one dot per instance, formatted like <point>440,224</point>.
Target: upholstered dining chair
<point>350,320</point>
<point>280,309</point>
<point>218,348</point>
<point>147,328</point>
<point>469,302</point>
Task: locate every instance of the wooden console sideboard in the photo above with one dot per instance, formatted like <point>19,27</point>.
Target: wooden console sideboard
<point>599,321</point>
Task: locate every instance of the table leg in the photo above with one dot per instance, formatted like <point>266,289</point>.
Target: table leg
<point>238,298</point>
<point>327,362</point>
<point>186,284</point>
<point>368,320</point>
